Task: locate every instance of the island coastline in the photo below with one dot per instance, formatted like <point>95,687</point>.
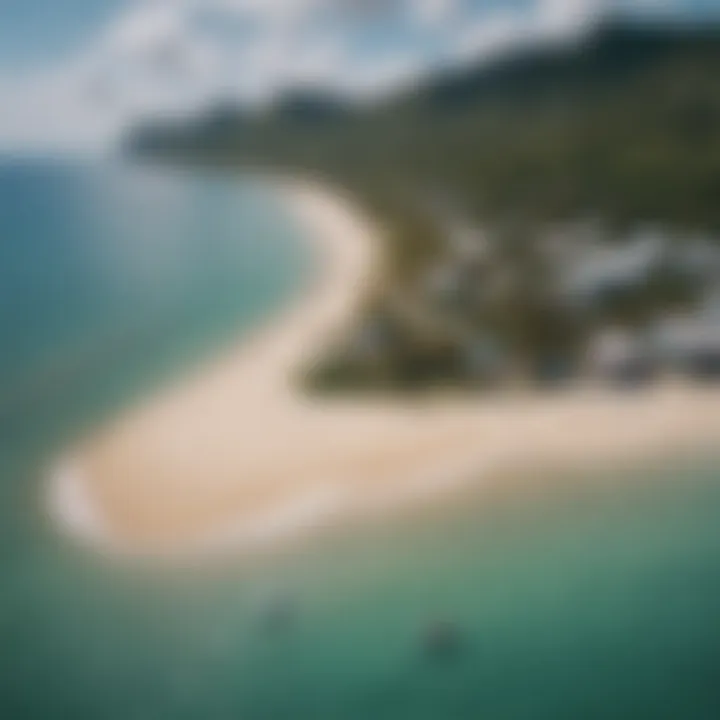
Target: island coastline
<point>236,456</point>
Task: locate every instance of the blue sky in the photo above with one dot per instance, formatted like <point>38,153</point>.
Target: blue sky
<point>76,72</point>
<point>37,31</point>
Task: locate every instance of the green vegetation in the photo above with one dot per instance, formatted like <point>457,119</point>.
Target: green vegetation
<point>623,127</point>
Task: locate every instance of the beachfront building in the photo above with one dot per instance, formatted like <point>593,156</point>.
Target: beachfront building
<point>710,305</point>
<point>699,259</point>
<point>468,244</point>
<point>484,360</point>
<point>566,245</point>
<point>608,269</point>
<point>689,345</point>
<point>621,357</point>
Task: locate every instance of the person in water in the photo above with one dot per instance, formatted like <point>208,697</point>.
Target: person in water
<point>442,639</point>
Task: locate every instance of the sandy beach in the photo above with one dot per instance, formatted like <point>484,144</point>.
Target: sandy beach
<point>235,455</point>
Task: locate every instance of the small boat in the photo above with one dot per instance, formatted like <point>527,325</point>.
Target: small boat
<point>442,639</point>
<point>280,614</point>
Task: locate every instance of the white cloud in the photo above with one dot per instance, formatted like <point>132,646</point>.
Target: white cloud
<point>52,111</point>
<point>143,27</point>
<point>490,35</point>
<point>382,74</point>
<point>502,30</point>
<point>433,13</point>
<point>558,17</point>
<point>162,55</point>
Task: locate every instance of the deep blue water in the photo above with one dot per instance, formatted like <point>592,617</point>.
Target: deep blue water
<point>597,600</point>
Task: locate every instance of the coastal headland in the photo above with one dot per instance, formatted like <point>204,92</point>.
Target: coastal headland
<point>236,455</point>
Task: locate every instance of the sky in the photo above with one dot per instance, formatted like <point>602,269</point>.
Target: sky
<point>74,74</point>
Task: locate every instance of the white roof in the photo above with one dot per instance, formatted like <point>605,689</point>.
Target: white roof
<point>687,334</point>
<point>615,346</point>
<point>611,264</point>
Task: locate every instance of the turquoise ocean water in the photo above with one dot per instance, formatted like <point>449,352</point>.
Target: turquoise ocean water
<point>595,602</point>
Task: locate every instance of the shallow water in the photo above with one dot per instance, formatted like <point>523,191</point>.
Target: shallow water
<point>597,600</point>
<point>112,275</point>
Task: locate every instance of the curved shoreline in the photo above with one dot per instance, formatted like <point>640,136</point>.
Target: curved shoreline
<point>236,457</point>
<point>264,362</point>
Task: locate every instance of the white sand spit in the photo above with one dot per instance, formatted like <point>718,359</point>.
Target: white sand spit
<point>236,456</point>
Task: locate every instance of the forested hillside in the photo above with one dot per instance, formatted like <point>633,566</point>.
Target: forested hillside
<point>624,124</point>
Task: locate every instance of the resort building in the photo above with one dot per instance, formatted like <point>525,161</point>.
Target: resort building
<point>621,356</point>
<point>690,344</point>
<point>613,267</point>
